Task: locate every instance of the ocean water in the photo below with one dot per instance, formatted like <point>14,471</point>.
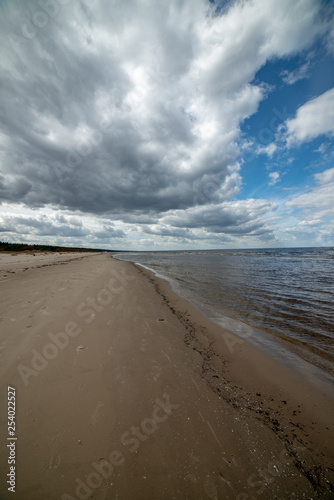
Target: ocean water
<point>286,295</point>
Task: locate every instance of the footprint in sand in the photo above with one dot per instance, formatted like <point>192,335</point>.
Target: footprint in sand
<point>189,477</point>
<point>3,344</point>
<point>211,490</point>
<point>96,415</point>
<point>156,370</point>
<point>143,346</point>
<point>54,460</point>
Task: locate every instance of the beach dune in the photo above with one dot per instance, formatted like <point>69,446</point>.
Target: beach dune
<point>124,390</point>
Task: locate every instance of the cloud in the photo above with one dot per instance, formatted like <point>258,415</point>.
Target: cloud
<point>131,111</point>
<point>163,230</point>
<point>307,219</point>
<point>268,150</point>
<point>322,149</point>
<point>314,118</point>
<point>57,226</point>
<point>41,226</point>
<point>274,177</point>
<point>291,77</point>
<point>244,217</point>
<point>319,201</point>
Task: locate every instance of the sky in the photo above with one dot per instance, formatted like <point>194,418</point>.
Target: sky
<point>167,125</point>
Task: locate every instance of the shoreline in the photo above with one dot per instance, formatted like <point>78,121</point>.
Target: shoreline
<point>272,375</point>
<point>164,287</point>
<point>141,396</point>
<point>303,359</point>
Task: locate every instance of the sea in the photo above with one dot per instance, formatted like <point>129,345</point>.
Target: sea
<point>280,299</point>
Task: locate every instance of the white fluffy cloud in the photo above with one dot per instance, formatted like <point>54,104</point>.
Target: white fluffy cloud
<point>268,150</point>
<point>314,118</point>
<point>274,177</point>
<point>319,201</point>
<point>312,217</point>
<point>57,227</point>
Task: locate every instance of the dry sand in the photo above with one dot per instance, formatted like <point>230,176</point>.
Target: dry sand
<point>125,391</point>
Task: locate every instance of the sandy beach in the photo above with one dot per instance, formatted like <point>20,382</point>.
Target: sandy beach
<point>123,390</point>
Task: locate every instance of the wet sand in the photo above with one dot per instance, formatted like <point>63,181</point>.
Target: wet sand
<point>125,391</point>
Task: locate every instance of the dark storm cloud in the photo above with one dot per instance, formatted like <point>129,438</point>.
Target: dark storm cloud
<point>239,218</point>
<point>130,110</point>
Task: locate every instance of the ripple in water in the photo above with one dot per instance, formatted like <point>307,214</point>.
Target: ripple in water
<point>283,293</point>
